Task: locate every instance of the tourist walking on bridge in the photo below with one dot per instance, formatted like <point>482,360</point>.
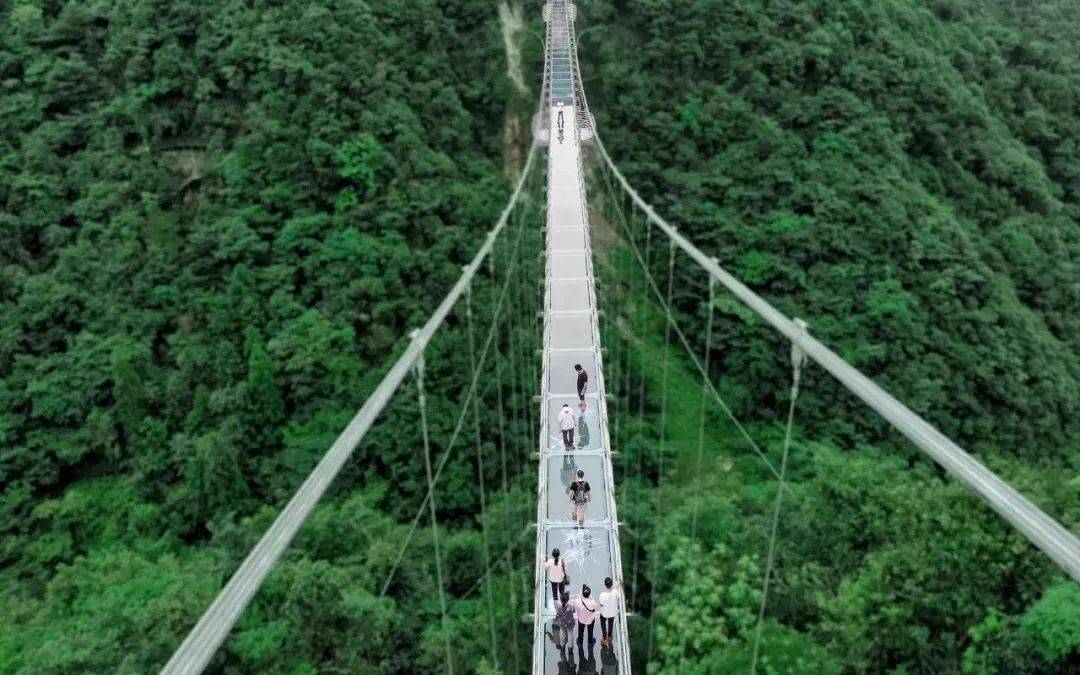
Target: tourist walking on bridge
<point>585,612</point>
<point>582,381</point>
<point>567,424</point>
<point>609,602</point>
<point>556,571</point>
<point>563,625</point>
<point>579,497</point>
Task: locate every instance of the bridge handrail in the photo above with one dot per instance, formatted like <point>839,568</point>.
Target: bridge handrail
<point>1043,531</point>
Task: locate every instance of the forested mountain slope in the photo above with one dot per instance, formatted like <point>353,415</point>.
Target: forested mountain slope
<point>905,175</point>
<point>910,177</point>
<point>217,218</point>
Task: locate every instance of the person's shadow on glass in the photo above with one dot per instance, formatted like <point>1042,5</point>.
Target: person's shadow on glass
<point>568,472</point>
<point>582,431</point>
<point>566,661</point>
<point>586,659</point>
<point>609,665</point>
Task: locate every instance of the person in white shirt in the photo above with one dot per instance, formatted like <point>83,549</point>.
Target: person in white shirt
<point>556,571</point>
<point>566,426</point>
<point>609,603</point>
<point>585,612</point>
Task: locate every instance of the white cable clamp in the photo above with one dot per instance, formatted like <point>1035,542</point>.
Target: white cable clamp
<point>798,354</point>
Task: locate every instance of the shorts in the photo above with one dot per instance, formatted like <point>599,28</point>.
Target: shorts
<point>578,512</point>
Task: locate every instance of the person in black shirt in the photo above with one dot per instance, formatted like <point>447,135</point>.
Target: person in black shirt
<point>579,497</point>
<point>582,381</point>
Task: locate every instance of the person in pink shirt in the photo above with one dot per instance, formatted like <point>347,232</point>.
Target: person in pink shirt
<point>556,570</point>
<point>585,613</point>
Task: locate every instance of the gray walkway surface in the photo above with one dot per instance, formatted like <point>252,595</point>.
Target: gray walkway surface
<point>572,336</point>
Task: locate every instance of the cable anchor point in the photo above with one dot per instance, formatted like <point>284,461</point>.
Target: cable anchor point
<point>798,354</point>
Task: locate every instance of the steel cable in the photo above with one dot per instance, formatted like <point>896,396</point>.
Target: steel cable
<point>461,417</point>
<point>655,557</point>
<point>701,419</point>
<point>1061,545</point>
<point>198,648</point>
<point>480,472</point>
<point>422,400</point>
<point>697,362</point>
<point>798,358</point>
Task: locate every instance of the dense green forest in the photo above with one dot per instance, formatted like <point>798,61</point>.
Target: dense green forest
<point>220,219</point>
<point>903,174</point>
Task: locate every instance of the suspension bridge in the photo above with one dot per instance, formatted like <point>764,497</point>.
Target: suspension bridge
<point>570,336</point>
<point>572,341</point>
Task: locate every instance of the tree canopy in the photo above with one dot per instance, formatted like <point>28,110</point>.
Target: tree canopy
<point>220,219</point>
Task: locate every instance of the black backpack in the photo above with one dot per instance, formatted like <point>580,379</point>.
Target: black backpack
<point>579,488</point>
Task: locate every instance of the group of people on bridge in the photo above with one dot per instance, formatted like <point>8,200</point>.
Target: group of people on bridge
<point>568,419</point>
<point>581,609</point>
<point>579,489</point>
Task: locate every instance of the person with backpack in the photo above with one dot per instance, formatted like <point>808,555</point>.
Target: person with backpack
<point>582,381</point>
<point>556,571</point>
<point>579,492</point>
<point>609,603</point>
<point>567,423</point>
<point>585,613</point>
